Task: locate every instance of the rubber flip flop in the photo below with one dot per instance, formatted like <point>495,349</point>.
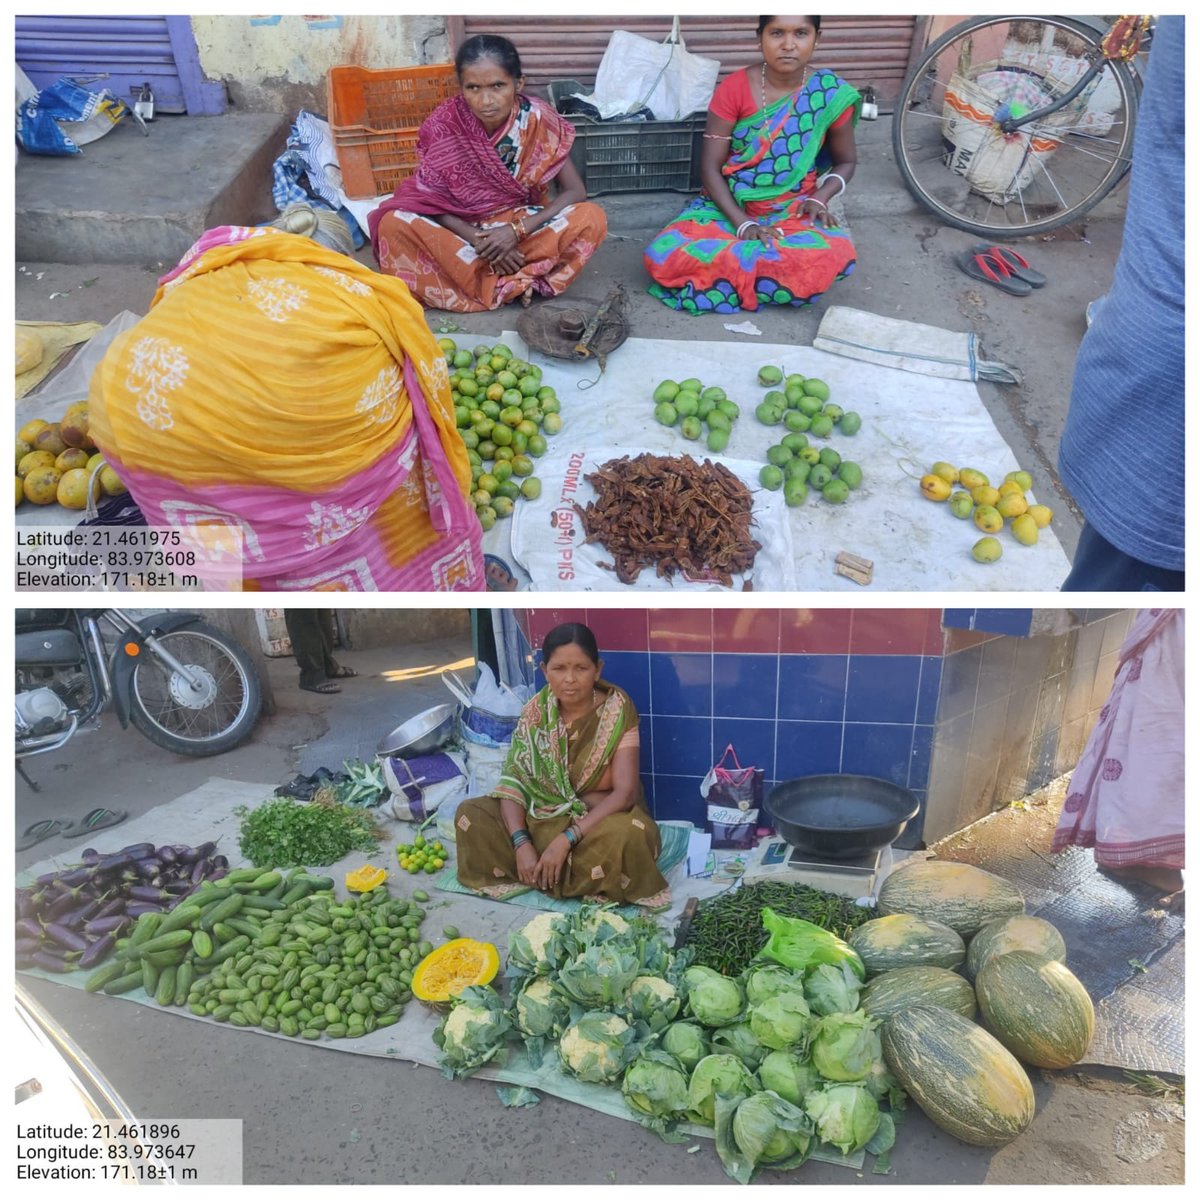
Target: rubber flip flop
<point>327,688</point>
<point>40,831</point>
<point>1015,262</point>
<point>988,268</point>
<point>98,818</point>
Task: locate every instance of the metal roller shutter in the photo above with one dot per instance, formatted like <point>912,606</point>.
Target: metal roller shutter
<point>131,51</point>
<point>864,50</point>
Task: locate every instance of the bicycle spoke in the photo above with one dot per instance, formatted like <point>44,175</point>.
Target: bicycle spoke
<point>954,158</point>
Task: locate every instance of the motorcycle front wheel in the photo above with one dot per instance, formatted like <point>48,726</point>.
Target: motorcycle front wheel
<point>214,715</point>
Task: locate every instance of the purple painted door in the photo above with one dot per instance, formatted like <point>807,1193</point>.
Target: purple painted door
<point>130,51</point>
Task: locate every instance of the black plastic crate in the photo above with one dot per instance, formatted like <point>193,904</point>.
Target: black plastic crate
<point>635,156</point>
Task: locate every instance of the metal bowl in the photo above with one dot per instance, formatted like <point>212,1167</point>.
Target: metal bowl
<point>840,816</point>
<point>422,734</point>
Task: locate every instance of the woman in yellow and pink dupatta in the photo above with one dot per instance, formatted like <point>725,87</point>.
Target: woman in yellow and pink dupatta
<point>284,391</point>
<point>474,228</point>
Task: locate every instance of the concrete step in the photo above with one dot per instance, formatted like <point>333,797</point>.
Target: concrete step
<point>143,200</point>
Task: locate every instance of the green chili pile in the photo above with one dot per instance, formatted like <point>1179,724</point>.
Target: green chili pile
<point>727,931</point>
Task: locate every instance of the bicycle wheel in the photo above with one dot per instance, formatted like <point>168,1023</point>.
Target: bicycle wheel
<point>958,163</point>
<point>214,716</point>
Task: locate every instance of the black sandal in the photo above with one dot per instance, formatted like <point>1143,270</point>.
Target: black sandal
<point>325,688</point>
<point>344,673</point>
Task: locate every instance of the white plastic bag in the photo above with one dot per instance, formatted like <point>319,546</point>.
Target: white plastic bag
<point>484,765</point>
<point>636,72</point>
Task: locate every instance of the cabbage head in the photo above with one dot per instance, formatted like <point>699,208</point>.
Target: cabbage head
<point>718,1073</point>
<point>845,1046</point>
<point>655,1087</point>
<point>739,1040</point>
<point>769,979</point>
<point>687,1042</point>
<point>831,989</point>
<point>597,1047</point>
<point>762,1130</point>
<point>653,1001</point>
<point>781,1020</point>
<point>541,1014</point>
<point>713,999</point>
<point>788,1075</point>
<point>472,1032</point>
<point>845,1114</point>
<point>539,946</point>
<point>600,976</point>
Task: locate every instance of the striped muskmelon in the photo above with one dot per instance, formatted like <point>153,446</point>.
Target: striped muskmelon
<point>902,940</point>
<point>908,987</point>
<point>1014,933</point>
<point>964,1080</point>
<point>1036,1007</point>
<point>964,897</point>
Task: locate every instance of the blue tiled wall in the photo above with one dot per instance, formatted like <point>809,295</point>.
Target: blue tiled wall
<point>791,714</point>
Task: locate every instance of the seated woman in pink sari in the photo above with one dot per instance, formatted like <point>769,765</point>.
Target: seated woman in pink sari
<point>1125,799</point>
<point>474,228</point>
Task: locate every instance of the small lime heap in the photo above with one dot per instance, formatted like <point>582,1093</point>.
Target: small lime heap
<point>504,414</point>
<point>691,406</point>
<point>803,408</point>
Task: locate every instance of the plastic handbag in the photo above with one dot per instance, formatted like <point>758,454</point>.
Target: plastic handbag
<point>734,795</point>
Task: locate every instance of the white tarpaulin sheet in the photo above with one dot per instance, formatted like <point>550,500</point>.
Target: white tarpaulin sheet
<point>908,422</point>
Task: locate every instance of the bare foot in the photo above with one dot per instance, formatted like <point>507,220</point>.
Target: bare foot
<point>1156,877</point>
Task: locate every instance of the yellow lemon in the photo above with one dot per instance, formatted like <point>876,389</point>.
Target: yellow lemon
<point>71,458</point>
<point>934,487</point>
<point>988,519</point>
<point>986,550</point>
<point>20,488</point>
<point>1025,530</point>
<point>961,505</point>
<point>31,429</point>
<point>33,460</point>
<point>1012,506</point>
<point>73,489</point>
<point>41,485</point>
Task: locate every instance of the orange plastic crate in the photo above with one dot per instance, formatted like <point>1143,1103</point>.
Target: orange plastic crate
<point>374,116</point>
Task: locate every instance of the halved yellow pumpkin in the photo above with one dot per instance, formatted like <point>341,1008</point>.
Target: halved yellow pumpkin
<point>365,879</point>
<point>462,963</point>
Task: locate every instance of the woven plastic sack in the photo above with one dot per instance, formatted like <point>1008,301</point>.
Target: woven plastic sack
<point>997,166</point>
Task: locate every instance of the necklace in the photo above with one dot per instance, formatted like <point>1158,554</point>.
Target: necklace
<point>763,86</point>
<point>571,733</point>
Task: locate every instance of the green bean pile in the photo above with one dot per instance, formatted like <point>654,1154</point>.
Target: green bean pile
<point>727,931</point>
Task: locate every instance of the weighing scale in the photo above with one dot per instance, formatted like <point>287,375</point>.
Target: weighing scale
<point>852,877</point>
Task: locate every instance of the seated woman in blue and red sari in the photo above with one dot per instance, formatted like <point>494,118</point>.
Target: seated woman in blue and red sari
<point>778,147</point>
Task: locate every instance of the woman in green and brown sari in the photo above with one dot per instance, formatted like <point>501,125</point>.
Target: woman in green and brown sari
<point>568,816</point>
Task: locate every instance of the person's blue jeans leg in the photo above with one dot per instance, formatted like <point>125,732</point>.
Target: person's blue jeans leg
<point>1100,567</point>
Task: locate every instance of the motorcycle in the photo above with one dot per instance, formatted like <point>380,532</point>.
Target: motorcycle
<point>184,684</point>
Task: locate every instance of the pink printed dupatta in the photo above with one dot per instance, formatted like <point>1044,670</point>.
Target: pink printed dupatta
<point>461,173</point>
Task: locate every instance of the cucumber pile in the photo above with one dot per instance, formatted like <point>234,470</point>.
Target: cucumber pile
<point>281,953</point>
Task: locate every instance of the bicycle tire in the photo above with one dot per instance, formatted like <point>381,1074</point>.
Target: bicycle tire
<point>957,196</point>
<point>225,653</point>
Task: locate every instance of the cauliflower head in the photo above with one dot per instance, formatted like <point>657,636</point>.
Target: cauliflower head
<point>595,1047</point>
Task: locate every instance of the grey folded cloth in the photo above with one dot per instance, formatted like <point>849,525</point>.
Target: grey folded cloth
<point>908,346</point>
